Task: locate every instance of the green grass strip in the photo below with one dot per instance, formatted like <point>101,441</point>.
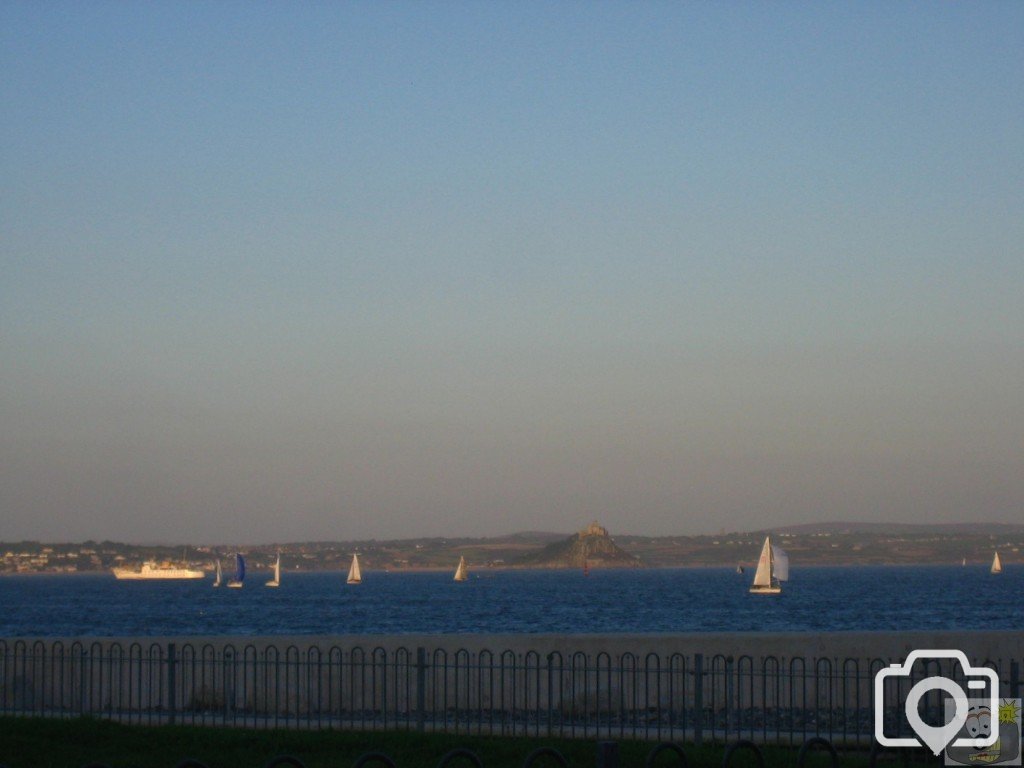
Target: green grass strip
<point>52,743</point>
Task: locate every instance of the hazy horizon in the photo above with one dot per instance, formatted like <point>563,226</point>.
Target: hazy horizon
<point>924,528</point>
<point>353,271</point>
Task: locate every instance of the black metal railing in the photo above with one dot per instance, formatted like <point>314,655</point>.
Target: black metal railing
<point>651,696</point>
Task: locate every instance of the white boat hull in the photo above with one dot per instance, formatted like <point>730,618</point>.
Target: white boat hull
<point>148,573</point>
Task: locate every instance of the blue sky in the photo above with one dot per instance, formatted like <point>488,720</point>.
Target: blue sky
<point>283,271</point>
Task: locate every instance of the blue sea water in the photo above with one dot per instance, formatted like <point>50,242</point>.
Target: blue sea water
<point>649,600</point>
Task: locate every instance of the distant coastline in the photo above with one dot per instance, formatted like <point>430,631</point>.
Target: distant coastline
<point>507,568</point>
<point>593,547</point>
<point>831,544</point>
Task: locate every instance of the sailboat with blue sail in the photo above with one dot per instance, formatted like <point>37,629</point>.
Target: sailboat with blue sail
<point>239,580</point>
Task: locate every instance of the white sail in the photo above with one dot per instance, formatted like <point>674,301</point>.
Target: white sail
<point>766,581</point>
<point>276,581</point>
<point>354,574</point>
<point>239,580</point>
<point>997,565</point>
<point>780,563</point>
<point>219,577</point>
<point>460,572</point>
<point>763,575</point>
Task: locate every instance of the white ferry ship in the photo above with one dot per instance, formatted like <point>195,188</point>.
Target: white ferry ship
<point>150,570</point>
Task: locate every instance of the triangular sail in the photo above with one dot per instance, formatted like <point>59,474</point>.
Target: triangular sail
<point>239,578</point>
<point>997,565</point>
<point>355,576</point>
<point>460,572</point>
<point>763,575</point>
<point>219,577</point>
<point>780,563</point>
<point>276,581</point>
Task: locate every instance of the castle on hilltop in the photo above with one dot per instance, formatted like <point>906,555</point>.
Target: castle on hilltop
<point>591,547</point>
<point>594,529</point>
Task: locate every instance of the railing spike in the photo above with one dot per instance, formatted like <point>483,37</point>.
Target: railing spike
<point>284,760</point>
<point>816,741</point>
<point>666,746</point>
<point>742,744</point>
<point>540,752</point>
<point>455,754</point>
<point>607,754</point>
<point>370,757</point>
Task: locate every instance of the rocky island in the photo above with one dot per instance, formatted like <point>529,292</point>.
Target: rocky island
<point>592,547</point>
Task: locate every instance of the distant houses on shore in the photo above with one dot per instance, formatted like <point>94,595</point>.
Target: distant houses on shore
<point>591,547</point>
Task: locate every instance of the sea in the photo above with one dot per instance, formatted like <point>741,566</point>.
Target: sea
<point>815,599</point>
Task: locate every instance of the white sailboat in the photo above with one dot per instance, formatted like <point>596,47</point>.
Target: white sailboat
<point>460,572</point>
<point>997,565</point>
<point>276,581</point>
<point>355,576</point>
<point>239,580</point>
<point>772,569</point>
<point>219,578</point>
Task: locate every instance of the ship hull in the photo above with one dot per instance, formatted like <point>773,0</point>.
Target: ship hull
<point>158,574</point>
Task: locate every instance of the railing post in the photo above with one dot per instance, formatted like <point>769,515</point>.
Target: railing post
<point>172,688</point>
<point>230,680</point>
<point>1014,679</point>
<point>551,691</point>
<point>729,698</point>
<point>698,699</point>
<point>421,689</point>
<point>83,681</point>
<point>607,754</point>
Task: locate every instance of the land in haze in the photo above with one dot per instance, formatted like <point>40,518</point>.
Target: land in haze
<point>822,544</point>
